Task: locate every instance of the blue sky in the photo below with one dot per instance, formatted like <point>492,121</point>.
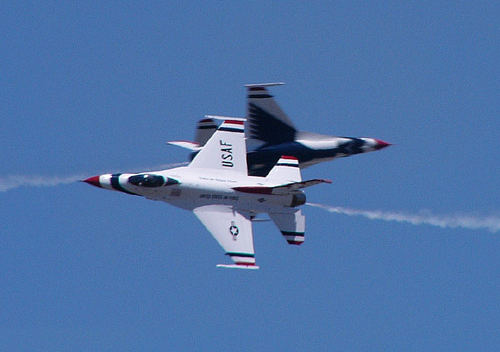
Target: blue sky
<point>91,88</point>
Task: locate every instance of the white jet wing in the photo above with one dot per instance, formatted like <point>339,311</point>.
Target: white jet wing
<point>233,230</point>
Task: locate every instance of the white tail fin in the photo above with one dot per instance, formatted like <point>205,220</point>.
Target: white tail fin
<point>265,119</point>
<point>225,150</point>
<point>286,170</point>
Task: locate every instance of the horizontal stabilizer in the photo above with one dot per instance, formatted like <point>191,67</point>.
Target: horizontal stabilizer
<point>237,266</point>
<point>193,146</point>
<point>299,185</point>
<point>291,225</point>
<point>281,189</point>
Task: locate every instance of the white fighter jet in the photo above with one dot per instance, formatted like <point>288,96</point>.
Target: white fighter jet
<point>217,188</point>
<point>271,134</point>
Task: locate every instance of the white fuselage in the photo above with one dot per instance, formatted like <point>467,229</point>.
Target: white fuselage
<point>196,188</point>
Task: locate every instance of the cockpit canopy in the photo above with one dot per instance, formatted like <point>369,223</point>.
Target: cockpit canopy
<point>147,180</point>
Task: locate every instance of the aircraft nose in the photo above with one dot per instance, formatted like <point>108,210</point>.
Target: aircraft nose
<point>381,144</point>
<point>94,181</point>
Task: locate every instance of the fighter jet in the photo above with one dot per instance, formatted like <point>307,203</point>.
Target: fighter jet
<point>271,134</point>
<point>217,188</point>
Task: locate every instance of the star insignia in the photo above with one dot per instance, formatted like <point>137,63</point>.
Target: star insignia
<point>234,230</point>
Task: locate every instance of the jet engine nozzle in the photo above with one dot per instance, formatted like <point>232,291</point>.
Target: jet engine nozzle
<point>298,198</point>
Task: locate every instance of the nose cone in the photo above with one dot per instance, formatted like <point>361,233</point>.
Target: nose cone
<point>94,181</point>
<point>381,144</point>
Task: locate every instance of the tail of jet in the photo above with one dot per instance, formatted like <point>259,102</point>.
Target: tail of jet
<point>286,170</point>
<point>204,130</point>
<point>291,225</point>
<point>287,178</point>
<point>266,122</point>
<point>225,150</point>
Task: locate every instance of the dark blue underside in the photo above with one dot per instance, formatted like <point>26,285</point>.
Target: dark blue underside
<point>262,160</point>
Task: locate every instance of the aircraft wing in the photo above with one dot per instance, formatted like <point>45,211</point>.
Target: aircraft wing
<point>233,230</point>
<point>298,185</point>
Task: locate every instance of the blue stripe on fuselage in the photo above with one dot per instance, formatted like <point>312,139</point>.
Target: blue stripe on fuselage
<point>115,183</point>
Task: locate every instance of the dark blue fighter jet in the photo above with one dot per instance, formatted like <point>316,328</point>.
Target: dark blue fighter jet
<point>271,134</point>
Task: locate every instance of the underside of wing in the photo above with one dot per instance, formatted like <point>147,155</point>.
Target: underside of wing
<point>233,231</point>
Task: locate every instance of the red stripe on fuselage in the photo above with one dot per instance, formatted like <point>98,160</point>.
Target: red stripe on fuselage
<point>257,190</point>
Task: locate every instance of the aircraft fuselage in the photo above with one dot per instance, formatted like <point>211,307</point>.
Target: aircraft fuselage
<point>310,151</point>
<point>189,189</point>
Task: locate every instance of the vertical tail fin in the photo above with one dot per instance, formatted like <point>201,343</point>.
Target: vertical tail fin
<point>266,121</point>
<point>286,170</point>
<point>204,130</point>
<point>225,150</point>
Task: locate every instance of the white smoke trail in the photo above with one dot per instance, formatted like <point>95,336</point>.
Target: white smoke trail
<point>8,183</point>
<point>12,182</point>
<point>490,223</point>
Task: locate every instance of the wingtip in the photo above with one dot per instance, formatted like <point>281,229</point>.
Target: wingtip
<point>238,266</point>
<point>256,85</point>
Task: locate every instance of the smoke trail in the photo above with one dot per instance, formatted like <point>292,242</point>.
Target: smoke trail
<point>11,182</point>
<point>15,181</point>
<point>490,223</point>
